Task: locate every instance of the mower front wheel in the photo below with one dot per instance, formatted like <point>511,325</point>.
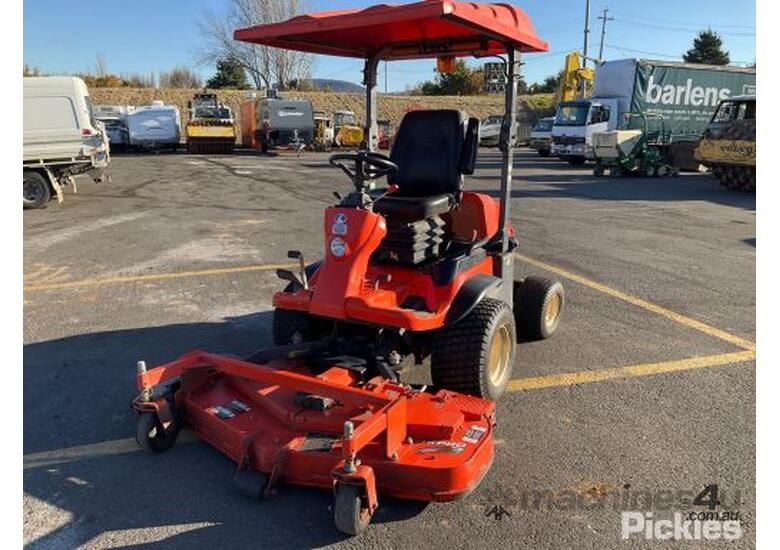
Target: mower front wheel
<point>538,303</point>
<point>349,512</point>
<point>476,355</point>
<point>152,436</point>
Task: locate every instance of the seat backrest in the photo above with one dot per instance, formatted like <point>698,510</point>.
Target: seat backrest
<point>432,152</point>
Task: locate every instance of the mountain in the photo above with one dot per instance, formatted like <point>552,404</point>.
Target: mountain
<point>336,85</point>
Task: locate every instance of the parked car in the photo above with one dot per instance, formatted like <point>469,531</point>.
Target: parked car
<point>114,117</point>
<point>155,126</point>
<point>541,136</point>
<point>490,131</point>
<point>62,138</point>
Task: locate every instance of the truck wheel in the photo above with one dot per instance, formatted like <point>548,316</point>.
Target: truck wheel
<point>538,303</point>
<point>577,161</point>
<point>598,170</point>
<point>36,192</point>
<point>616,172</point>
<point>350,515</point>
<point>476,355</point>
<point>651,172</point>
<point>543,152</point>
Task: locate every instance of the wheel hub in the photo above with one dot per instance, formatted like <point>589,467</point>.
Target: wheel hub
<point>31,192</point>
<point>498,361</point>
<point>552,310</point>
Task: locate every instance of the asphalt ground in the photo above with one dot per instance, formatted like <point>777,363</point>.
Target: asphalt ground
<point>649,385</point>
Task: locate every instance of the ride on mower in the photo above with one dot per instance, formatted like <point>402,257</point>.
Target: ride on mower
<point>417,273</point>
<point>634,148</point>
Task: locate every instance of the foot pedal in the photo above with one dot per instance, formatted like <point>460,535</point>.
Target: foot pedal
<point>314,402</point>
<point>250,483</point>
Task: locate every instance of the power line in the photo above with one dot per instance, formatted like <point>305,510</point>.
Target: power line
<point>678,22</point>
<point>677,29</point>
<point>662,55</point>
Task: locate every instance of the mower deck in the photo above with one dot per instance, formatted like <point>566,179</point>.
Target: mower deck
<point>324,427</point>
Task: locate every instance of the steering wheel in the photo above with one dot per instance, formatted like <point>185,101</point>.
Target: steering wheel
<point>364,165</point>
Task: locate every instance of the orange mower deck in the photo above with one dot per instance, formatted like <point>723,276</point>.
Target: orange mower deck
<point>325,430</point>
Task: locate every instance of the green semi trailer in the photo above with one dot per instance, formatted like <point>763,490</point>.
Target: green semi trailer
<point>684,94</point>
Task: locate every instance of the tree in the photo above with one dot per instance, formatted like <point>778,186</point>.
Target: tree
<point>463,80</point>
<point>267,67</point>
<point>230,74</point>
<point>548,86</point>
<point>31,71</point>
<point>182,77</point>
<point>708,49</point>
<point>101,67</point>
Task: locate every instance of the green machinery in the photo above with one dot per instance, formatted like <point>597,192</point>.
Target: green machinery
<point>638,147</point>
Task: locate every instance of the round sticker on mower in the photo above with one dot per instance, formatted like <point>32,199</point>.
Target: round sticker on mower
<point>339,224</point>
<point>444,446</point>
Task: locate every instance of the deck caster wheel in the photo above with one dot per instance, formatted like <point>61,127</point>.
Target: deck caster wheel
<point>538,307</point>
<point>476,355</point>
<point>251,484</point>
<point>152,436</point>
<point>351,515</point>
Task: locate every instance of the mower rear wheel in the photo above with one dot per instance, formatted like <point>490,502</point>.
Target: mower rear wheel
<point>538,303</point>
<point>476,355</point>
<point>351,516</point>
<point>152,436</point>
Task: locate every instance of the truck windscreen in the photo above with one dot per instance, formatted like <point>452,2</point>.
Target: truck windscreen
<point>572,115</point>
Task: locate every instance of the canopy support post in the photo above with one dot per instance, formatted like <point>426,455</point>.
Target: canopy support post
<point>507,144</point>
<point>370,141</point>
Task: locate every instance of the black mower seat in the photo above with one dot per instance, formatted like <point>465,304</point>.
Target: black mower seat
<point>414,208</point>
<point>433,149</point>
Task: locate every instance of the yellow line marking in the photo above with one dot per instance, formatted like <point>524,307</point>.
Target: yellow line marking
<point>155,277</point>
<point>124,446</point>
<point>92,450</point>
<point>646,369</point>
<point>644,304</point>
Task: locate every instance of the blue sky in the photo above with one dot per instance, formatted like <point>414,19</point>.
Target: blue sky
<point>144,36</point>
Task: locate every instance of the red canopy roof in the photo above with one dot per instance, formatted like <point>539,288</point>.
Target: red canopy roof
<point>424,29</point>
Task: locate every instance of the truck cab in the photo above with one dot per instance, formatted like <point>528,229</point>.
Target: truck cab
<point>575,124</point>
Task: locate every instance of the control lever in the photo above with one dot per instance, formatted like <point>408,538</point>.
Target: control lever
<point>298,255</point>
<point>287,275</point>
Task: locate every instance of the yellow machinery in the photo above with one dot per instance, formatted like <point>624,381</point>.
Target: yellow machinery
<point>348,132</point>
<point>323,131</point>
<point>728,146</point>
<point>210,129</point>
<point>574,78</point>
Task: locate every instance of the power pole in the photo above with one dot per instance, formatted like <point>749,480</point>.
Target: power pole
<point>583,84</point>
<point>587,34</point>
<point>604,20</point>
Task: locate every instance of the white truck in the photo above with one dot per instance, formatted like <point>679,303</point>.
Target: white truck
<point>62,138</point>
<point>684,94</point>
<point>540,138</point>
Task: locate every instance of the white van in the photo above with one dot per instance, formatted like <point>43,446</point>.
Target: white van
<point>62,138</point>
